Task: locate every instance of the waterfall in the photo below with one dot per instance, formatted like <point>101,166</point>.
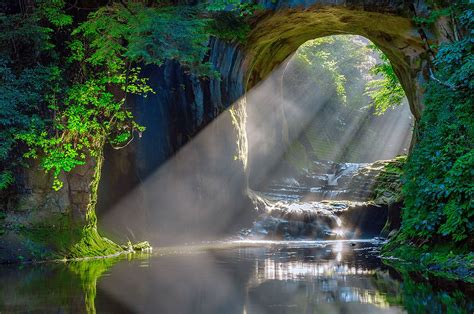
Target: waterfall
<point>319,205</point>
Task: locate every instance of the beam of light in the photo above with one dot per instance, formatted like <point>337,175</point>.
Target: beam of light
<point>199,193</point>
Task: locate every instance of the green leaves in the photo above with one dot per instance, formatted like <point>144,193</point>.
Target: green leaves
<point>229,27</point>
<point>137,33</point>
<point>67,109</point>
<point>439,174</point>
<point>386,91</point>
<point>21,96</point>
<point>53,11</point>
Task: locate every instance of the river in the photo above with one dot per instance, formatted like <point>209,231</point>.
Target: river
<point>289,261</point>
<point>235,277</point>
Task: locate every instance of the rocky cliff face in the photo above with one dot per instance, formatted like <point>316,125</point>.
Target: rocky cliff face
<point>184,105</point>
<point>182,108</point>
<point>35,213</point>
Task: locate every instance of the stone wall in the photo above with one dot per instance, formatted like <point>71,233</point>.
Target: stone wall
<point>34,208</point>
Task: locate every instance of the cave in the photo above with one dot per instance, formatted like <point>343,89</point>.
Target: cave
<point>215,114</point>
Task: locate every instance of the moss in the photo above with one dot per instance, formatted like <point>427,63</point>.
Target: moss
<point>91,243</point>
<point>442,260</point>
<point>388,184</point>
<point>275,36</point>
<point>239,118</point>
<point>89,272</point>
<point>62,238</point>
<point>51,240</point>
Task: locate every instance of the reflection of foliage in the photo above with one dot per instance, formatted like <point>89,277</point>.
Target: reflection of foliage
<point>442,260</point>
<point>38,288</point>
<point>421,298</point>
<point>391,288</point>
<point>419,295</point>
<point>385,92</point>
<point>89,272</point>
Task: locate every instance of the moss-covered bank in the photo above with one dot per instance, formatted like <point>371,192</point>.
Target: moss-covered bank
<point>444,260</point>
<point>30,234</point>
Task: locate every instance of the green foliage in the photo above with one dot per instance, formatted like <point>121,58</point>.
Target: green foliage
<point>439,188</point>
<point>229,27</point>
<point>87,115</point>
<point>65,78</point>
<point>136,33</point>
<point>314,54</point>
<point>442,260</point>
<point>23,84</point>
<point>336,70</point>
<point>386,92</point>
<point>53,11</point>
<point>241,8</point>
<point>66,107</point>
<point>432,17</point>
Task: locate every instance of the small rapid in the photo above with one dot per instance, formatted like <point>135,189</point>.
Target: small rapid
<point>326,181</point>
<point>324,204</point>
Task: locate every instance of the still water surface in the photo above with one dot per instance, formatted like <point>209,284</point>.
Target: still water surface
<point>260,277</point>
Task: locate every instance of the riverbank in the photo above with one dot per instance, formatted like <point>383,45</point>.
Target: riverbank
<point>444,261</point>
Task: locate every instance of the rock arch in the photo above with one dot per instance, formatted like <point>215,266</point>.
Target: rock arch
<point>281,29</point>
<point>184,102</point>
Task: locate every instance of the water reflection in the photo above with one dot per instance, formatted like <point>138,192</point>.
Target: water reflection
<point>327,277</point>
<point>309,277</point>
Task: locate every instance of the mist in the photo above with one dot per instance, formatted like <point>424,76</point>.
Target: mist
<point>201,193</point>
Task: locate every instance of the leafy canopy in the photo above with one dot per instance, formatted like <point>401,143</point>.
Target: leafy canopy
<point>65,78</point>
<point>439,188</point>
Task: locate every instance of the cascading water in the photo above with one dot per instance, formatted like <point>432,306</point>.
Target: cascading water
<point>316,205</point>
<point>329,181</point>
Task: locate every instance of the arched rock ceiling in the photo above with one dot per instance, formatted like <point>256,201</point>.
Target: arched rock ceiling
<point>276,34</point>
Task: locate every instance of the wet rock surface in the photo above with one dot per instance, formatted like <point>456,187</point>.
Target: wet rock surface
<point>329,181</point>
<point>330,201</point>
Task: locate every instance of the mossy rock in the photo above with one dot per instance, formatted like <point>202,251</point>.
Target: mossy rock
<point>388,188</point>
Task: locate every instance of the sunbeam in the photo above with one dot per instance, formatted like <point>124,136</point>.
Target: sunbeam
<point>237,157</point>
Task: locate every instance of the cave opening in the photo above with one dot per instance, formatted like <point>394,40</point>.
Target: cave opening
<point>322,129</point>
<point>299,135</point>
